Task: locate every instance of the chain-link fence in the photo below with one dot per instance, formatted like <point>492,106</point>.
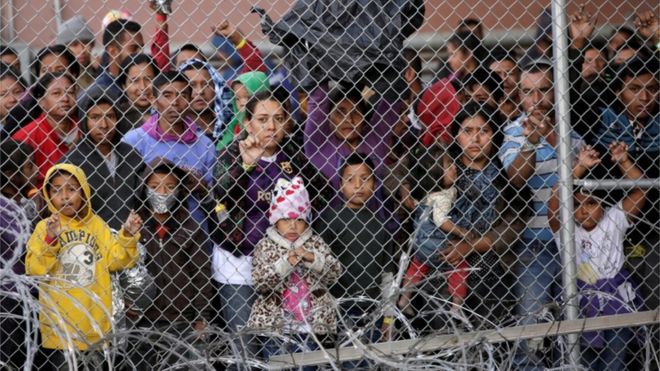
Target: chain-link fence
<point>354,184</point>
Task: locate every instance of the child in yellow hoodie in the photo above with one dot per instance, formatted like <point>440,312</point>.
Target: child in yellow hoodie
<point>77,251</point>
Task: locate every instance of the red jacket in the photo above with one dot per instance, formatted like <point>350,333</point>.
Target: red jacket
<point>436,109</point>
<point>47,144</point>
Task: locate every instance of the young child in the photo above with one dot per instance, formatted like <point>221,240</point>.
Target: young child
<point>427,176</point>
<point>78,251</point>
<point>599,236</point>
<point>176,258</point>
<point>292,270</point>
<point>359,239</point>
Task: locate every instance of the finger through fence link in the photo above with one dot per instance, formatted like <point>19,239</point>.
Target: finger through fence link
<point>316,184</point>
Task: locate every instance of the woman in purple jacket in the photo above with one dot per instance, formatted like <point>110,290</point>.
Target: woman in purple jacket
<point>246,174</point>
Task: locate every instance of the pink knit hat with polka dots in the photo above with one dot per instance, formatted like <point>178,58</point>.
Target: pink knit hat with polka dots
<point>290,201</point>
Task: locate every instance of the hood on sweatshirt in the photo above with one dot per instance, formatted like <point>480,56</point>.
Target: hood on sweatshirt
<point>80,176</point>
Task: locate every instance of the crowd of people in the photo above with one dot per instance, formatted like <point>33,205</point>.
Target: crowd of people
<point>231,198</point>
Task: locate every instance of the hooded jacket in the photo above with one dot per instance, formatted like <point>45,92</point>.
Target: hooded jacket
<point>271,274</point>
<point>113,196</point>
<point>77,296</point>
<point>254,82</point>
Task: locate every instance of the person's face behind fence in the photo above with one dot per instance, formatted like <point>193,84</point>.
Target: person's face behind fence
<point>66,195</point>
<point>131,43</point>
<point>458,57</point>
<point>10,93</point>
<point>639,96</point>
<point>138,85</point>
<point>510,75</point>
<point>475,137</point>
<point>82,50</point>
<point>268,124</point>
<point>537,94</point>
<point>357,185</point>
<point>101,123</point>
<point>172,101</point>
<point>594,64</point>
<point>59,101</point>
<point>203,93</point>
<point>12,61</point>
<point>347,120</point>
<point>53,63</point>
<point>588,211</point>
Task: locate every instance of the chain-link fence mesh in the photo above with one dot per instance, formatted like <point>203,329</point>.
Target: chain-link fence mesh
<point>353,184</point>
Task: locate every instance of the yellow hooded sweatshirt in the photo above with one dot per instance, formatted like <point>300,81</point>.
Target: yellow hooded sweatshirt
<point>76,297</point>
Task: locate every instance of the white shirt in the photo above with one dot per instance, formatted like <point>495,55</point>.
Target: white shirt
<point>602,247</point>
<point>229,269</point>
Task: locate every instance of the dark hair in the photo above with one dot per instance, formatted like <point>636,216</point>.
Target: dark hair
<point>356,158</point>
<point>623,29</point>
<point>197,65</point>
<point>633,68</point>
<point>134,60</point>
<point>602,195</point>
<point>58,50</point>
<point>341,93</point>
<point>7,50</point>
<point>597,45</point>
<point>8,72</point>
<point>469,22</point>
<point>413,59</point>
<point>282,95</point>
<point>163,166</point>
<point>60,172</point>
<point>114,32</point>
<point>537,66</point>
<point>487,78</point>
<point>259,97</point>
<point>466,40</point>
<point>169,77</point>
<point>98,97</point>
<point>14,155</point>
<point>40,87</point>
<point>490,116</point>
<point>426,170</point>
<point>189,48</point>
<point>499,53</point>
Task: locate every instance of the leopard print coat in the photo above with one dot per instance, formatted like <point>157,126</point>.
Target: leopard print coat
<point>270,274</point>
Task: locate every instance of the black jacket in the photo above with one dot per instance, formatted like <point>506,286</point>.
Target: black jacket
<point>113,197</point>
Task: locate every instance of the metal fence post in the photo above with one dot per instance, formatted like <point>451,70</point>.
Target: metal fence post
<point>562,104</point>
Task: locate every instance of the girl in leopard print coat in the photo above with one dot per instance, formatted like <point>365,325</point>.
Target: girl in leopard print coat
<point>292,269</point>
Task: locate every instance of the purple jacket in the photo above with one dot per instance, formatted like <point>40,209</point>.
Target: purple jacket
<point>247,194</point>
<point>327,152</point>
<point>12,223</point>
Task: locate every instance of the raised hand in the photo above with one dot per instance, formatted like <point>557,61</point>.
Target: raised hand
<point>581,27</point>
<point>534,128</point>
<point>588,157</point>
<point>53,226</point>
<point>619,152</point>
<point>293,258</point>
<point>225,28</point>
<point>648,26</point>
<point>228,30</point>
<point>305,255</point>
<point>133,224</point>
<point>251,150</point>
